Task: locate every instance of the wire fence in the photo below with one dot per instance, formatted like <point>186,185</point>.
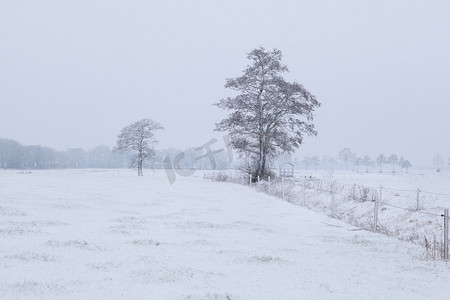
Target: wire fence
<point>413,215</point>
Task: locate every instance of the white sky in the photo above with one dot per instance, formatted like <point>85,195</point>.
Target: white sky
<point>73,73</point>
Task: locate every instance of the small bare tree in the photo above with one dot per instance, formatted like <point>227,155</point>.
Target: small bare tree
<point>139,138</point>
<point>347,156</point>
<point>368,162</point>
<point>393,159</point>
<point>437,162</point>
<point>401,163</point>
<point>380,160</point>
<point>406,165</point>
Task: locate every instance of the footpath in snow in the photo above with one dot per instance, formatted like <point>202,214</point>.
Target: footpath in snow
<point>112,235</point>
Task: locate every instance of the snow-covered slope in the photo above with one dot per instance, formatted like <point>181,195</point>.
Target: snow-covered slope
<point>110,234</point>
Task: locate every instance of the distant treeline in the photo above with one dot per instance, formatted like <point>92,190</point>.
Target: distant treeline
<point>14,155</point>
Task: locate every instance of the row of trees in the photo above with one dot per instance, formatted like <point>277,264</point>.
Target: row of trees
<point>348,159</point>
<point>14,155</point>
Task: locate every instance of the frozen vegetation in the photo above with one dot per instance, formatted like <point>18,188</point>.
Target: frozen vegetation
<point>86,234</point>
<point>410,207</point>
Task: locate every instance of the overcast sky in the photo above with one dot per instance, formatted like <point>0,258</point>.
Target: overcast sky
<point>73,73</point>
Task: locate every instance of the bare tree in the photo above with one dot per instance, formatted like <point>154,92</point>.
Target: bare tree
<point>138,138</point>
<point>269,116</point>
<point>315,160</point>
<point>401,163</point>
<point>368,162</point>
<point>437,162</point>
<point>393,159</point>
<point>357,162</point>
<point>347,156</point>
<point>380,160</point>
<point>406,165</point>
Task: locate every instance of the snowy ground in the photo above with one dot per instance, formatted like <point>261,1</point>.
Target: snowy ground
<point>109,234</point>
<point>410,208</point>
<point>403,211</point>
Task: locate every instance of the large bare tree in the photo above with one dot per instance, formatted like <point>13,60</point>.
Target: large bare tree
<point>270,115</point>
<point>139,138</point>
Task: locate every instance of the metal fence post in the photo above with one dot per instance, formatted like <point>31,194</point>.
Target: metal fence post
<point>304,192</point>
<point>375,211</point>
<point>332,202</point>
<point>446,234</point>
<point>417,200</point>
<point>250,180</point>
<point>259,188</point>
<point>269,186</point>
<point>381,189</point>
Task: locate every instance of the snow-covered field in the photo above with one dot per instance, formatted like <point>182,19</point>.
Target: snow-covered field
<point>427,180</point>
<point>86,234</point>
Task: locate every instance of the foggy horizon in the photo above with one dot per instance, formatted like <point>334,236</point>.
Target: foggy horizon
<point>74,74</point>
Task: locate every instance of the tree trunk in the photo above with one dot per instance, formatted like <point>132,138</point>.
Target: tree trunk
<point>263,166</point>
<point>260,170</point>
<point>140,169</point>
<point>139,163</point>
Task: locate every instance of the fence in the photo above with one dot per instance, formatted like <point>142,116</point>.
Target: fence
<point>417,215</point>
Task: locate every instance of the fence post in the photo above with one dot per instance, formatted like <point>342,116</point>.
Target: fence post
<point>259,188</point>
<point>381,189</point>
<point>446,234</point>
<point>332,202</point>
<point>304,192</point>
<point>417,200</point>
<point>250,180</point>
<point>375,210</point>
<point>269,186</point>
<point>282,186</point>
